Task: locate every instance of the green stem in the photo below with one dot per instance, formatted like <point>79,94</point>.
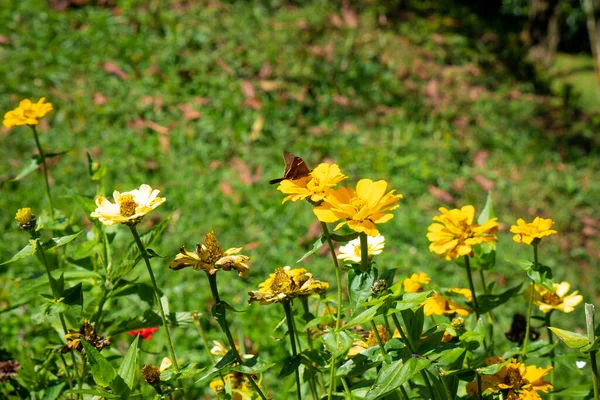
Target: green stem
<point>590,325</point>
<point>212,280</point>
<point>530,306</point>
<point>304,302</point>
<point>43,157</point>
<point>338,278</point>
<point>200,329</point>
<point>444,379</point>
<point>142,249</point>
<point>552,354</point>
<point>348,394</point>
<point>479,394</point>
<point>471,285</point>
<point>386,357</point>
<point>290,322</point>
<point>364,251</point>
<point>489,313</point>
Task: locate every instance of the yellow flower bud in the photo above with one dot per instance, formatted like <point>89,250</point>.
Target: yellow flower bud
<point>25,219</point>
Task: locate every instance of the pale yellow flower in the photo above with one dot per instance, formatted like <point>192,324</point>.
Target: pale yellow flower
<point>532,232</point>
<point>412,284</point>
<point>27,113</point>
<point>210,258</point>
<point>361,209</point>
<point>129,207</point>
<point>285,284</point>
<point>316,185</point>
<point>555,300</point>
<point>515,381</point>
<point>351,251</point>
<point>440,305</point>
<point>455,233</point>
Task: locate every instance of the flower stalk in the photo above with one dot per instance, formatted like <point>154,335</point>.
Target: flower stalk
<point>530,307</point>
<point>471,285</point>
<point>551,341</point>
<point>590,325</point>
<point>290,322</point>
<point>43,158</point>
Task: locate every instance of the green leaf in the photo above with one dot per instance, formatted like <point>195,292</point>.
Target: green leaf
<point>227,359</point>
<point>414,321</point>
<point>290,364</point>
<point>148,238</point>
<point>102,372</point>
<point>492,369</point>
<point>254,365</point>
<point>363,317</point>
<point>360,363</point>
<point>73,296</point>
<point>60,241</point>
<point>584,391</point>
<point>571,339</point>
<point>53,392</point>
<point>337,343</point>
<point>94,392</point>
<point>25,252</point>
<point>34,163</point>
<point>447,357</point>
<point>359,285</point>
<point>120,388</point>
<point>487,302</point>
<point>129,366</point>
<point>395,374</point>
<point>410,301</point>
<point>488,210</point>
<point>316,246</point>
<point>484,256</point>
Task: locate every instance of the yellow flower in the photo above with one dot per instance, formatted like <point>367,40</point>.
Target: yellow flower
<point>286,284</point>
<point>454,234</point>
<point>27,113</point>
<point>351,251</point>
<point>239,386</point>
<point>210,258</point>
<point>25,219</point>
<point>555,300</point>
<point>440,305</point>
<point>129,207</point>
<point>316,185</point>
<point>532,232</point>
<point>515,380</point>
<point>412,284</point>
<point>361,208</point>
<point>368,340</point>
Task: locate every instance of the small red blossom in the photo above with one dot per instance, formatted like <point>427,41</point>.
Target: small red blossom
<point>145,333</point>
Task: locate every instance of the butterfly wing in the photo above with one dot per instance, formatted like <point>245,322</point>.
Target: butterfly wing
<point>295,168</point>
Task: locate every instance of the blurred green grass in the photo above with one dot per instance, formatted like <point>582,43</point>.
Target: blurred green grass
<point>425,100</point>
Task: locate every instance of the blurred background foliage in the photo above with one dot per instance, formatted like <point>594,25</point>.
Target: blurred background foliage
<point>442,99</point>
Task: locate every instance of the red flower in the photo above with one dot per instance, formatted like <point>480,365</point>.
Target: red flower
<point>145,333</point>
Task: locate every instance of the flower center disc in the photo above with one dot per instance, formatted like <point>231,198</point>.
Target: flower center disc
<point>551,298</point>
<point>127,205</point>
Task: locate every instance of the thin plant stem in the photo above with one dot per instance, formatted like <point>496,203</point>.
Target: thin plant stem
<point>364,252</point>
<point>304,302</point>
<point>347,393</point>
<point>471,285</point>
<point>489,313</point>
<point>200,329</point>
<point>386,357</point>
<point>479,395</point>
<point>43,157</point>
<point>552,354</point>
<point>590,325</point>
<point>444,379</point>
<point>530,307</point>
<point>144,254</point>
<point>212,280</point>
<point>69,381</point>
<point>338,278</point>
<point>292,331</point>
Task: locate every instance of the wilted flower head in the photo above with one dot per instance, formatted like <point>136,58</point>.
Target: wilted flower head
<point>88,333</point>
<point>441,305</point>
<point>351,251</point>
<point>515,380</point>
<point>455,233</point>
<point>210,257</point>
<point>145,333</point>
<point>27,113</point>
<point>557,299</point>
<point>532,232</point>
<point>361,209</point>
<point>25,219</point>
<point>129,207</point>
<point>286,284</point>
<point>8,369</point>
<point>316,186</point>
<point>412,284</point>
<point>151,374</point>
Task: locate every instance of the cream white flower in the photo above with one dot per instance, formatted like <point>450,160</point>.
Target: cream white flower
<point>129,207</point>
<point>351,251</point>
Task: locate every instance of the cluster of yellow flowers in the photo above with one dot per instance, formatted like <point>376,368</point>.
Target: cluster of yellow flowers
<point>286,284</point>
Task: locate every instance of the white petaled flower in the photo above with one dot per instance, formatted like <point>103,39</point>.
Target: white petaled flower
<point>351,251</point>
<point>129,207</point>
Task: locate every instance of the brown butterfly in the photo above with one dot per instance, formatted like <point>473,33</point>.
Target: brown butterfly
<point>295,168</point>
<point>516,333</point>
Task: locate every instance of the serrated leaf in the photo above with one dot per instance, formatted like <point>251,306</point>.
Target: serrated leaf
<point>129,366</point>
<point>571,339</point>
<point>60,241</point>
<point>102,372</point>
<point>33,164</point>
<point>316,246</point>
<point>337,343</point>
<point>395,374</point>
<point>25,252</point>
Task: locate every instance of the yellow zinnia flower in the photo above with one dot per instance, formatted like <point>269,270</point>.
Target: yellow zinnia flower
<point>129,207</point>
<point>27,113</point>
<point>440,305</point>
<point>532,232</point>
<point>361,208</point>
<point>515,380</point>
<point>412,284</point>
<point>210,258</point>
<point>351,251</point>
<point>556,300</point>
<point>316,185</point>
<point>454,234</point>
<point>286,284</point>
<point>368,340</point>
